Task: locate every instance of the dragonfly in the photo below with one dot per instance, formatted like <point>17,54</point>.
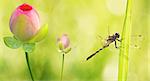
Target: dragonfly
<point>110,39</point>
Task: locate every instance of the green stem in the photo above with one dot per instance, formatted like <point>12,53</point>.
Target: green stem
<point>62,67</point>
<point>27,59</point>
<point>124,50</point>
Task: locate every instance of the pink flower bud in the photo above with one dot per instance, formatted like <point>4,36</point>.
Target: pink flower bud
<point>64,40</point>
<point>24,22</point>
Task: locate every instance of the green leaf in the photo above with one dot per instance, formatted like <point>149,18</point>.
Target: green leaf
<point>29,47</point>
<point>124,50</point>
<point>12,42</point>
<point>41,34</point>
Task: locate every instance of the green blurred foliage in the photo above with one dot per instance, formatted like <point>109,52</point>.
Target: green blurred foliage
<point>83,21</point>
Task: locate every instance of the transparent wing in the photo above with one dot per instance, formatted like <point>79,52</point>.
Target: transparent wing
<point>136,41</point>
<point>101,39</point>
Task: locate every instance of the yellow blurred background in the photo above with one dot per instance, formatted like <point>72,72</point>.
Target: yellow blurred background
<point>83,21</point>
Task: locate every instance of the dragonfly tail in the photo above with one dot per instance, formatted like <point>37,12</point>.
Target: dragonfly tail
<point>94,54</point>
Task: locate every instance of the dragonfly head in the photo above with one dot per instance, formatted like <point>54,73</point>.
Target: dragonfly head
<point>117,35</point>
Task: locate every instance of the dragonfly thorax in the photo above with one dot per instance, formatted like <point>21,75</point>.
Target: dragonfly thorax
<point>117,35</point>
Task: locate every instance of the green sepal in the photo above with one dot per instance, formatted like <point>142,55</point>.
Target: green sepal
<point>28,47</point>
<point>12,42</point>
<point>67,50</point>
<point>60,45</point>
<point>40,35</point>
<point>64,51</point>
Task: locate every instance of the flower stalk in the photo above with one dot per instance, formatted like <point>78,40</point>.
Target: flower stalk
<point>62,67</point>
<point>28,64</point>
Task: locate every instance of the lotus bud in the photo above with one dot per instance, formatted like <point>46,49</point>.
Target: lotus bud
<point>24,22</point>
<point>63,42</point>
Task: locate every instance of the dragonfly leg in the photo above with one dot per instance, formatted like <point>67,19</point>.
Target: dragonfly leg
<point>118,40</point>
<point>116,44</point>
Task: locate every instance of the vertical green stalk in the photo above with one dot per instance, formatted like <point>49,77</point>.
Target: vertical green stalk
<point>124,49</point>
<point>62,67</point>
<point>27,59</point>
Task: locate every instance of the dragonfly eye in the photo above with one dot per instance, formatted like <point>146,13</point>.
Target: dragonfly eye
<point>117,35</point>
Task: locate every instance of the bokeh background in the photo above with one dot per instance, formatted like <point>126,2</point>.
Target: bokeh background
<point>83,21</point>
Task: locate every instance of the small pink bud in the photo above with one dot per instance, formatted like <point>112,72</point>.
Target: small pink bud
<point>24,22</point>
<point>64,40</point>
